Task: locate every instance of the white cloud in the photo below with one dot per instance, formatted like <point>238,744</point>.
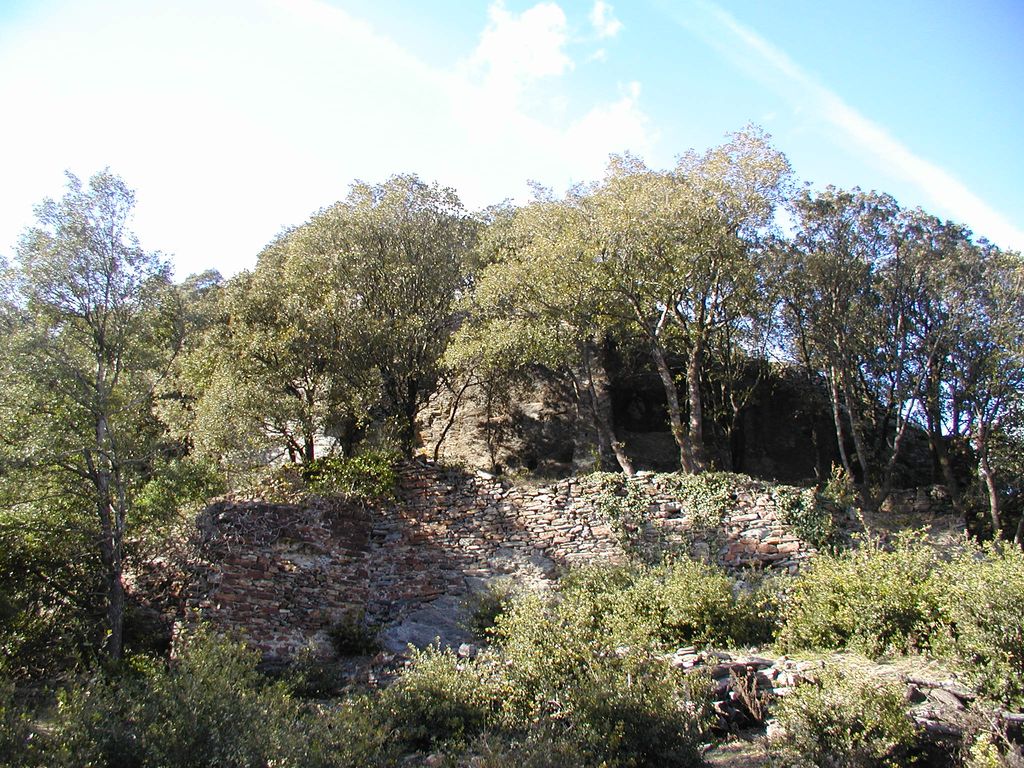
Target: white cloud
<point>614,127</point>
<point>858,133</point>
<point>602,17</point>
<point>517,49</point>
<point>245,117</point>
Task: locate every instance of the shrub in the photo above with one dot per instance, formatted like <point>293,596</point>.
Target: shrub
<point>873,600</point>
<point>983,601</point>
<point>16,747</point>
<point>211,708</point>
<point>637,712</point>
<point>366,476</point>
<point>352,636</point>
<point>556,679</point>
<point>177,484</point>
<point>485,606</point>
<point>439,700</point>
<point>680,602</point>
<point>808,513</point>
<point>846,722</point>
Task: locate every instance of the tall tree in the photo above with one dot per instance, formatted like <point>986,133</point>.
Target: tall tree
<point>989,360</point>
<point>341,324</point>
<point>94,333</point>
<point>538,302</point>
<point>682,250</point>
<point>834,306</point>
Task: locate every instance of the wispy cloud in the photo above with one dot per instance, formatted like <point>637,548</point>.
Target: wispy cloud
<point>847,126</point>
<point>602,17</point>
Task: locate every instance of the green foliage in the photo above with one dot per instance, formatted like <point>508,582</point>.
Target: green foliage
<point>369,475</point>
<point>625,503</point>
<point>16,737</point>
<point>983,603</point>
<point>622,502</point>
<point>682,602</point>
<point>177,485</point>
<point>486,606</point>
<point>210,708</point>
<point>707,496</point>
<point>440,700</point>
<point>871,599</point>
<point>846,721</point>
<point>808,513</point>
<point>50,574</point>
<point>592,708</point>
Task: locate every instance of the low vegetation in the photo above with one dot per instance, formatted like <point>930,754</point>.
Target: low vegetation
<point>583,675</point>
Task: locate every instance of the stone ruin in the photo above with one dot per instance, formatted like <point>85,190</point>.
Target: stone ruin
<point>283,576</point>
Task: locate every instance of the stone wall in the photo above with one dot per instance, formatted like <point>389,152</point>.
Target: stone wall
<point>281,575</point>
<point>285,574</point>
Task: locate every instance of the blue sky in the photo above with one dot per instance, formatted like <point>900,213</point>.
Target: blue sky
<point>235,118</point>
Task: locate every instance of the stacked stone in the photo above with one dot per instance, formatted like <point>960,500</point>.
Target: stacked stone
<point>744,687</point>
<point>452,533</point>
<point>284,574</point>
<point>308,573</point>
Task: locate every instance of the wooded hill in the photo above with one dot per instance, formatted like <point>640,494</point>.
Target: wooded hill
<point>126,397</point>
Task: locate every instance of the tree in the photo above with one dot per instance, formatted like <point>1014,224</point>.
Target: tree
<point>682,251</point>
<point>989,360</point>
<point>401,248</point>
<point>93,333</point>
<point>340,325</point>
<point>856,309</point>
<point>538,302</point>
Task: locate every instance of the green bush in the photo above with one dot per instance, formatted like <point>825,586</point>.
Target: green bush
<point>16,738</point>
<point>563,669</point>
<point>680,602</point>
<point>177,484</point>
<point>486,606</point>
<point>844,721</point>
<point>366,476</point>
<point>439,700</point>
<point>210,708</point>
<point>547,687</point>
<point>870,599</point>
<point>808,513</point>
<point>637,711</point>
<point>50,574</point>
<point>983,601</point>
<point>352,636</point>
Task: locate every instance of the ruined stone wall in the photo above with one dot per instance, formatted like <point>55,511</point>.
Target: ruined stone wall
<point>285,574</point>
<point>280,575</point>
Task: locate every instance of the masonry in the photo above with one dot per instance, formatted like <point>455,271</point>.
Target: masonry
<point>283,575</point>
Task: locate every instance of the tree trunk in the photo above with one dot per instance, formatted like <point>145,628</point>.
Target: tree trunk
<point>985,470</point>
<point>837,419</point>
<point>453,410</point>
<point>111,544</point>
<point>115,609</point>
<point>686,463</point>
<point>694,368</point>
<point>858,439</point>
<point>936,441</point>
<point>597,386</point>
<point>408,428</point>
<point>308,428</point>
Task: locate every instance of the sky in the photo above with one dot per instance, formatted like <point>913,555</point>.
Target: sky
<point>235,119</point>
